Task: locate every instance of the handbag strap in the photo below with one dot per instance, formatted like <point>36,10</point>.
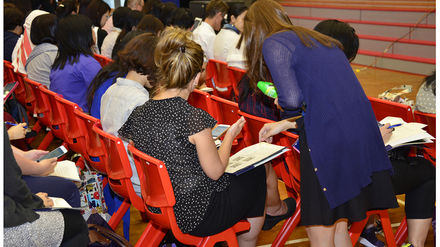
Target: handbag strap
<point>112,235</point>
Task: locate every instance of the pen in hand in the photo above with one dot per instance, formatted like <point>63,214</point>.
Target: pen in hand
<point>396,125</point>
<point>13,124</point>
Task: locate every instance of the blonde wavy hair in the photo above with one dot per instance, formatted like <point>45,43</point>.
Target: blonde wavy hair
<point>179,59</point>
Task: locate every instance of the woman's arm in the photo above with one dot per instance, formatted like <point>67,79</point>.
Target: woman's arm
<point>29,167</point>
<point>214,161</point>
<point>280,61</point>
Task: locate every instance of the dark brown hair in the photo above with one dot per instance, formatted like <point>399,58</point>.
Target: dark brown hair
<point>138,55</point>
<point>263,19</point>
<point>150,24</point>
<point>216,6</point>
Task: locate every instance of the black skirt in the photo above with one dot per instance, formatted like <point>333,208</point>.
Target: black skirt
<point>244,197</point>
<point>315,209</point>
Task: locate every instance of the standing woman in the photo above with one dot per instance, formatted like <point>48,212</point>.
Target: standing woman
<point>74,67</point>
<point>345,170</point>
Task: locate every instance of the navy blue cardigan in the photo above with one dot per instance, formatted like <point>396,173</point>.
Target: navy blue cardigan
<point>344,140</point>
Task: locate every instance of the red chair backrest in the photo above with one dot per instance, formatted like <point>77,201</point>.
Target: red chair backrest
<point>103,60</point>
<point>31,98</point>
<point>67,109</point>
<point>156,187</point>
<point>202,100</point>
<point>292,159</point>
<point>9,72</point>
<point>217,72</point>
<point>42,105</point>
<point>89,139</point>
<point>58,120</point>
<point>252,128</point>
<point>235,75</point>
<point>384,108</point>
<point>426,118</point>
<point>226,112</point>
<point>118,166</point>
<point>20,90</point>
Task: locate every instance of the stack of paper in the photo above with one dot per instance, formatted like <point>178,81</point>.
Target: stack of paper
<point>407,134</point>
<point>253,156</point>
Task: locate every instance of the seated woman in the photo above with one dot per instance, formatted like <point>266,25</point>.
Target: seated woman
<point>74,67</point>
<point>24,225</point>
<point>150,24</point>
<point>98,12</point>
<point>119,101</point>
<point>12,26</point>
<point>131,22</point>
<point>230,32</point>
<point>413,176</point>
<point>107,77</point>
<point>66,8</point>
<point>119,18</point>
<point>39,63</point>
<point>425,99</point>
<point>204,193</point>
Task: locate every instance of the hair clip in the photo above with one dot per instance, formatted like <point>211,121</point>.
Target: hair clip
<point>182,49</point>
<point>61,5</point>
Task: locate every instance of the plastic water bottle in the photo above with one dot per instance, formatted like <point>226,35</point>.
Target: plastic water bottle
<point>267,88</point>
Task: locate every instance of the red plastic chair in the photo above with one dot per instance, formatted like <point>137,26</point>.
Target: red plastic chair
<point>235,75</point>
<point>20,90</point>
<point>157,191</point>
<point>217,74</point>
<point>57,121</point>
<point>291,178</point>
<point>67,109</point>
<point>430,120</point>
<point>202,100</point>
<point>357,227</point>
<point>226,112</point>
<point>29,97</point>
<point>103,60</point>
<point>119,174</point>
<point>42,111</point>
<point>8,72</point>
<point>90,141</point>
<point>384,108</point>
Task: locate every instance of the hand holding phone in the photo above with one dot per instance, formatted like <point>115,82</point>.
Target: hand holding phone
<point>56,153</point>
<point>219,130</point>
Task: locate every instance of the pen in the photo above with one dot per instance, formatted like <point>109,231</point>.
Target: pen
<point>14,124</point>
<point>396,125</point>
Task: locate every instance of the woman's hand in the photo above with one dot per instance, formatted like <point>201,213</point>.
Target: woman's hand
<point>235,129</point>
<point>385,132</point>
<point>34,154</point>
<point>47,166</point>
<point>271,129</point>
<point>17,132</point>
<point>46,200</point>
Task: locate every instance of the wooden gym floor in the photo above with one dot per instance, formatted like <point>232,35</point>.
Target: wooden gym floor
<point>374,81</point>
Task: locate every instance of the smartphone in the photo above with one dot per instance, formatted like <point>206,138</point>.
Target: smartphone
<point>56,153</point>
<point>8,89</point>
<point>197,22</point>
<point>219,130</point>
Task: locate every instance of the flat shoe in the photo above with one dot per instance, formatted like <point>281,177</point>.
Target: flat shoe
<point>271,221</point>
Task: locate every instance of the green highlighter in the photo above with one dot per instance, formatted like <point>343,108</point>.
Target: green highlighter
<point>267,88</point>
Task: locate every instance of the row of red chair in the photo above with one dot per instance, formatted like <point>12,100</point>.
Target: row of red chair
<point>223,79</point>
<point>106,154</point>
<point>227,112</point>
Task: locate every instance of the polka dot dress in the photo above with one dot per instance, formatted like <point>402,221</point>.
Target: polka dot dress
<point>160,128</point>
<point>425,99</point>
